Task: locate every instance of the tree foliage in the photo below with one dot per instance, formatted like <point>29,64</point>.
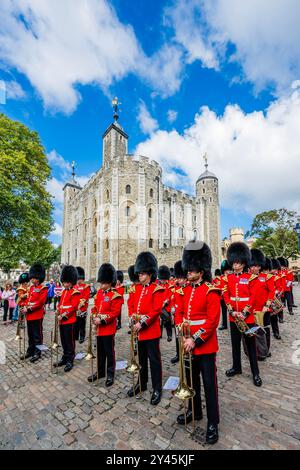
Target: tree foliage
<point>25,204</point>
<point>275,233</point>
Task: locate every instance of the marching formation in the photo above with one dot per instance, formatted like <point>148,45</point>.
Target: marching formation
<point>249,289</point>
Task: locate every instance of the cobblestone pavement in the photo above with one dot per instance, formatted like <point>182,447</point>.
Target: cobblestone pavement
<point>40,410</point>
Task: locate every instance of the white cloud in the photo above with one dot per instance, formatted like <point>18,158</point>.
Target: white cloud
<point>59,46</point>
<point>256,156</point>
<point>14,91</point>
<point>58,161</point>
<point>55,188</point>
<point>265,34</point>
<point>172,115</point>
<point>57,230</point>
<point>147,123</point>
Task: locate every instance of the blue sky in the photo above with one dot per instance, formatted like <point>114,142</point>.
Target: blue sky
<point>191,80</point>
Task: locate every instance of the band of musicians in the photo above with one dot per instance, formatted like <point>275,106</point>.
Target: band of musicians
<point>246,296</point>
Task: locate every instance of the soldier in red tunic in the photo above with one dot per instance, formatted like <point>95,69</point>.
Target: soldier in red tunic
<point>134,278</point>
<point>164,274</point>
<point>67,315</point>
<point>238,292</point>
<point>34,309</point>
<point>287,283</point>
<point>264,290</point>
<point>277,317</point>
<point>85,291</point>
<point>199,310</point>
<point>225,269</point>
<point>121,290</point>
<point>107,305</point>
<point>177,290</point>
<point>146,308</point>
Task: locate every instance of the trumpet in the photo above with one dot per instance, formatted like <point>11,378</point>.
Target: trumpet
<point>90,353</point>
<point>185,390</point>
<point>134,366</point>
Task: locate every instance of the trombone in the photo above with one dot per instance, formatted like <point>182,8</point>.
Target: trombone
<point>21,325</point>
<point>54,342</point>
<point>90,354</point>
<point>185,390</point>
<point>134,366</point>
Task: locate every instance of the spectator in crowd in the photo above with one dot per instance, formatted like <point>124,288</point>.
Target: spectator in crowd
<point>51,286</point>
<point>8,296</point>
<point>57,293</point>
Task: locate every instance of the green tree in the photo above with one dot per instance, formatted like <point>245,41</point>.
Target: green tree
<point>275,234</point>
<point>44,252</point>
<point>25,204</point>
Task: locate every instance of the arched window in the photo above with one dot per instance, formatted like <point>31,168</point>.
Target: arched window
<point>127,211</point>
<point>107,195</point>
<point>151,192</point>
<point>195,235</point>
<point>150,243</point>
<point>95,248</point>
<point>106,243</point>
<point>128,189</point>
<point>165,245</point>
<point>84,251</point>
<point>150,213</point>
<point>95,222</point>
<point>180,232</point>
<point>75,253</point>
<point>203,190</point>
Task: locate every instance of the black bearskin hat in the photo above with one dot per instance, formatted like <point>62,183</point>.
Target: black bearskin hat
<point>281,261</point>
<point>172,272</point>
<point>107,274</point>
<point>238,252</point>
<point>24,277</point>
<point>196,257</point>
<point>286,262</point>
<point>164,273</point>
<point>120,276</point>
<point>146,263</point>
<point>132,275</point>
<point>178,271</point>
<point>275,264</point>
<point>81,273</point>
<point>225,266</point>
<point>268,264</point>
<point>69,274</point>
<point>257,258</point>
<point>37,271</point>
<point>218,272</point>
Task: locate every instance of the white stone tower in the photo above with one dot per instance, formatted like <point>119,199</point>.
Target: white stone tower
<point>208,212</point>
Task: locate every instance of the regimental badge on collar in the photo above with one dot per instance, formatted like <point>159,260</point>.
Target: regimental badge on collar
<point>36,290</point>
<point>106,298</point>
<point>262,279</point>
<point>243,280</point>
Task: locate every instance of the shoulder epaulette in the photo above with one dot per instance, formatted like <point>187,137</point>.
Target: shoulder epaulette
<point>116,295</point>
<point>211,288</point>
<point>131,290</point>
<point>180,291</point>
<point>75,291</point>
<point>44,286</point>
<point>252,277</point>
<point>158,288</point>
<point>269,276</point>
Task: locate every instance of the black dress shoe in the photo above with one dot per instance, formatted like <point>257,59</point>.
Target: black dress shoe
<point>295,306</point>
<point>169,339</point>
<point>60,363</point>
<point>119,327</point>
<point>277,336</point>
<point>94,377</point>
<point>35,358</point>
<point>69,366</point>
<point>212,434</point>
<point>231,372</point>
<point>156,397</point>
<point>280,320</point>
<point>174,360</point>
<point>26,356</point>
<point>269,354</point>
<point>189,417</point>
<point>109,382</point>
<point>131,392</point>
<point>257,381</point>
<point>222,328</point>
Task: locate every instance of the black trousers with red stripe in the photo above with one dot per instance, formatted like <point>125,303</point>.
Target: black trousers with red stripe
<point>67,337</point>
<point>236,339</point>
<point>274,324</point>
<point>80,328</point>
<point>35,335</point>
<point>149,349</point>
<point>205,365</point>
<point>106,356</point>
